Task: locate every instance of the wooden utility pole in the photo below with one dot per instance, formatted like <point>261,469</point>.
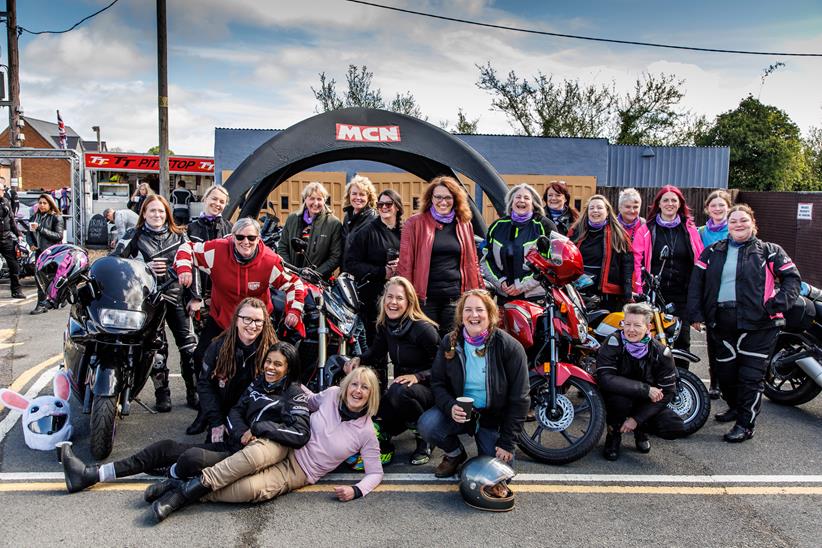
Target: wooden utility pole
<point>14,88</point>
<point>162,92</point>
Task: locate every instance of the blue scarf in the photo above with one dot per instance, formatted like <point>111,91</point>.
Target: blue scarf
<point>556,213</point>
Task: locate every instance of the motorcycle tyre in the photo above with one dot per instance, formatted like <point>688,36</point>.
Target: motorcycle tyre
<point>586,443</point>
<point>701,409</point>
<point>103,419</point>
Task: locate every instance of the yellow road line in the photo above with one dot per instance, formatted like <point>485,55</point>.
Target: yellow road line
<point>449,488</point>
<point>21,381</point>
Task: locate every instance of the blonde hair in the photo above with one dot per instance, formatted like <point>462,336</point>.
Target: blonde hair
<point>364,184</point>
<point>311,188</point>
<point>640,309</point>
<point>219,188</point>
<point>744,208</point>
<point>629,194</point>
<point>455,336</point>
<point>367,376</point>
<point>413,311</point>
<point>620,241</point>
<point>724,194</point>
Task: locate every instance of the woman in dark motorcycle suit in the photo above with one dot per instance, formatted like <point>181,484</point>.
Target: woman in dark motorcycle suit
<point>272,409</point>
<point>155,241</point>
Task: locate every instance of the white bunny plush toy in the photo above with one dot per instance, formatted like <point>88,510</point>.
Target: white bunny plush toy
<point>46,419</point>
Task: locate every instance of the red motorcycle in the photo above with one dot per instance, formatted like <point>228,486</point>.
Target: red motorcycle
<point>568,412</point>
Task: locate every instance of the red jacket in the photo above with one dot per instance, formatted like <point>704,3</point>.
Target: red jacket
<point>415,253</point>
<point>231,281</point>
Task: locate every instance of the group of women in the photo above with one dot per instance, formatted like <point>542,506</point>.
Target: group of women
<point>429,314</point>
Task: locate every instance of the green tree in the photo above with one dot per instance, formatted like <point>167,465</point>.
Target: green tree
<point>649,113</point>
<point>156,150</point>
<point>767,152</point>
<point>813,156</point>
<point>361,93</point>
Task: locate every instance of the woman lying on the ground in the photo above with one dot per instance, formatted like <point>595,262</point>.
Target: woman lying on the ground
<point>340,426</point>
<point>272,409</point>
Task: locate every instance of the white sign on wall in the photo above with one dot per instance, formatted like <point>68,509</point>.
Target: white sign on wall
<point>804,212</point>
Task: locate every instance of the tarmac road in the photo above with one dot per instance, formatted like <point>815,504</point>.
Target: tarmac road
<point>698,491</point>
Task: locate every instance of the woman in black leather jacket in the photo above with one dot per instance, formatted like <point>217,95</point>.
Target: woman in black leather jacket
<point>47,226</point>
<point>154,241</point>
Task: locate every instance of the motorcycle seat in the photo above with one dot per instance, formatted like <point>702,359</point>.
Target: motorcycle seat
<point>596,316</point>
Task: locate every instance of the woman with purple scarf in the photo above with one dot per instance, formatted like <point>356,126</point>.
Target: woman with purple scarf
<point>315,224</point>
<point>629,205</point>
<point>668,245</point>
<point>606,252</point>
<point>437,250</point>
<point>637,379</point>
<point>476,360</point>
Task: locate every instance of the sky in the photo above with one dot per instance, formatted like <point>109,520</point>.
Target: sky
<point>252,63</point>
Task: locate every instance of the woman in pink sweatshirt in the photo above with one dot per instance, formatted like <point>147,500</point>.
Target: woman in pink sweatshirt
<point>340,427</point>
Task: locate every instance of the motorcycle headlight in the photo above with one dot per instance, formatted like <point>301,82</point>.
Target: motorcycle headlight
<point>122,319</point>
<point>344,318</point>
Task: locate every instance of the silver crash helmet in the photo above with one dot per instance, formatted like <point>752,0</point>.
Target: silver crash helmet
<point>477,479</point>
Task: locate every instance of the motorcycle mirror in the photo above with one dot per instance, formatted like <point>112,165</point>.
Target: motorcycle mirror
<point>299,245</point>
<point>665,253</point>
<point>544,245</point>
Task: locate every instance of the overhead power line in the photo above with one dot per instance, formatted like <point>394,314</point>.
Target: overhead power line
<point>578,37</point>
<point>71,28</point>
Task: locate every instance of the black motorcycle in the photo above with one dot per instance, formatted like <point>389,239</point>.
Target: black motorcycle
<point>114,335</point>
<point>794,373</point>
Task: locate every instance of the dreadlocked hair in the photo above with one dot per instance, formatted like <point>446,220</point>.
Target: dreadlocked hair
<point>226,365</point>
<point>455,336</point>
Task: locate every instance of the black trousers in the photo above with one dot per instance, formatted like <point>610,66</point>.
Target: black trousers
<point>190,458</point>
<point>741,360</point>
<point>8,249</point>
<point>402,405</point>
<point>210,330</point>
<point>441,310</point>
<point>666,423</point>
<point>683,342</point>
<point>184,337</point>
<point>181,216</point>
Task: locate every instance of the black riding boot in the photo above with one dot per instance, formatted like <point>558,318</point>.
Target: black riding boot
<point>162,393</point>
<point>190,378</point>
<point>613,442</point>
<point>78,475</point>
<point>199,425</point>
<point>160,488</point>
<point>191,491</point>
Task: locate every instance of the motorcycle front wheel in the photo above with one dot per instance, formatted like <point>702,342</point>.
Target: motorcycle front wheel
<point>788,384</point>
<point>103,419</point>
<point>692,401</point>
<point>573,432</point>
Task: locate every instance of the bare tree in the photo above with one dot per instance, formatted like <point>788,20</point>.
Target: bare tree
<point>360,92</point>
<point>649,114</point>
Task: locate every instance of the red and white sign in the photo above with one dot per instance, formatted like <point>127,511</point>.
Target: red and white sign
<point>148,163</point>
<point>368,134</point>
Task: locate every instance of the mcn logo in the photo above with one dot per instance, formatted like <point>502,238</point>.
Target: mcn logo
<point>368,134</point>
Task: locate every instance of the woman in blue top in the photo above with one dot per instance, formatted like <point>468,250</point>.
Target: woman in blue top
<point>716,206</point>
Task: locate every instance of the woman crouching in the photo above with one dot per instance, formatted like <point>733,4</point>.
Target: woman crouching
<point>340,426</point>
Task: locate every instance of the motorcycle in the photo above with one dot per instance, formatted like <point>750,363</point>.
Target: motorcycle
<point>331,322</point>
<point>568,411</point>
<point>794,374</point>
<point>113,338</point>
<point>26,259</point>
<point>692,401</point>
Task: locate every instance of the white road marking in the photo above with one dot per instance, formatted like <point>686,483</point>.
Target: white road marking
<point>11,419</point>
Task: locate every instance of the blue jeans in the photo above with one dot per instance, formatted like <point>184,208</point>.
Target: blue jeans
<point>443,432</point>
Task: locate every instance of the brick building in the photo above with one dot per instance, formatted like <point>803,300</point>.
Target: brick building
<point>43,174</point>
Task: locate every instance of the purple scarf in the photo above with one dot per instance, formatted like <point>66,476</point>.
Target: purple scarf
<point>668,224</point>
<point>517,218</point>
<point>479,340</point>
<point>716,227</point>
<point>209,218</point>
<point>637,349</point>
<point>307,217</point>
<point>597,226</point>
<point>628,226</point>
<point>444,219</point>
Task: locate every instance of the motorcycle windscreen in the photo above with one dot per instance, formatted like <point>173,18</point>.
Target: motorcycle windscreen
<point>122,284</point>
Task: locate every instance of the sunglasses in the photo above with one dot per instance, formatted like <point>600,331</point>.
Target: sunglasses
<point>385,205</point>
<point>242,237</point>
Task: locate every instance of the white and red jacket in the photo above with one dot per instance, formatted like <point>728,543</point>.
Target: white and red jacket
<point>231,281</point>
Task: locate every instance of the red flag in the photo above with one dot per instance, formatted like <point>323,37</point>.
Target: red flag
<point>61,127</point>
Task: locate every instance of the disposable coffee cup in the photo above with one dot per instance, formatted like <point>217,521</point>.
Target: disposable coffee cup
<point>467,404</point>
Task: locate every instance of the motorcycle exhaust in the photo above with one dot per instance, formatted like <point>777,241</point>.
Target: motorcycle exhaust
<point>812,368</point>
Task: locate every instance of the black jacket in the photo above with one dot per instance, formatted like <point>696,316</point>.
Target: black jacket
<point>49,230</point>
<point>564,221</point>
<point>620,373</point>
<point>281,415</point>
<point>759,305</point>
<point>218,396</point>
<point>367,256</point>
<point>352,223</point>
<point>145,244</point>
<point>616,268</point>
<point>8,224</point>
<point>412,348</point>
<point>507,378</point>
<point>201,229</point>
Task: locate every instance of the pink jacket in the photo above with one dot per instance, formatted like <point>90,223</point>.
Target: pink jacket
<point>643,248</point>
<point>332,441</point>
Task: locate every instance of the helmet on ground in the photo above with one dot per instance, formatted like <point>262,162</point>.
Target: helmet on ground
<point>58,269</point>
<point>480,477</point>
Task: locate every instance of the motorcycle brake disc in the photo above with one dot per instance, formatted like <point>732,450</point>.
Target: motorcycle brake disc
<point>683,402</point>
<point>561,423</point>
